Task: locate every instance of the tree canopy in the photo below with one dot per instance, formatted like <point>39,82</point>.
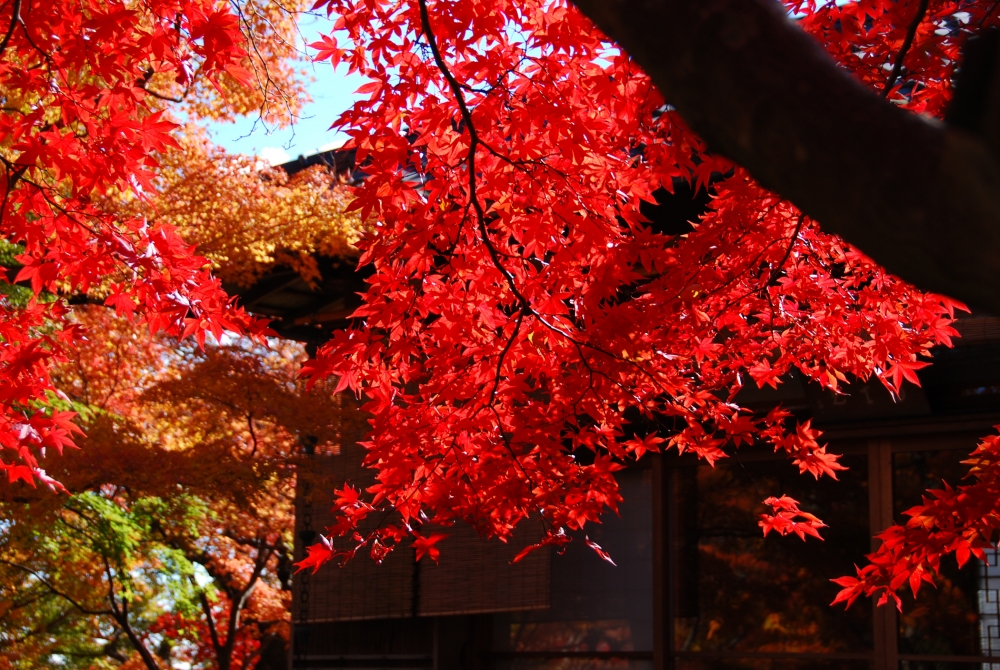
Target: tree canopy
<point>526,330</point>
<point>174,540</point>
<point>170,536</point>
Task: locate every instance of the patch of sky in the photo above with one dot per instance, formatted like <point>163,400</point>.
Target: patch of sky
<point>332,92</point>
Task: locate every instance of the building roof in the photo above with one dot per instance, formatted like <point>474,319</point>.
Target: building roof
<point>300,311</point>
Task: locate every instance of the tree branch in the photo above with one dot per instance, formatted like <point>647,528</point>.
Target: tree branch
<point>137,642</point>
<point>911,32</point>
<point>15,18</point>
<point>161,96</point>
<point>920,198</point>
<point>119,612</point>
<point>206,607</point>
<point>47,584</point>
<point>237,603</point>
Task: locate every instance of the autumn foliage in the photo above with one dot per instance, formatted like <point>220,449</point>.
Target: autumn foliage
<point>527,330</point>
<point>80,122</point>
<point>175,533</point>
<point>246,217</point>
<point>170,536</point>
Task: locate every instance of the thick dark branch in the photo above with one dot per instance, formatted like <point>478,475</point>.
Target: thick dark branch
<point>15,17</point>
<point>119,612</point>
<point>911,32</point>
<point>206,607</point>
<point>920,198</point>
<point>140,645</point>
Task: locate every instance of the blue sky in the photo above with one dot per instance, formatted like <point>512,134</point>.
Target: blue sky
<point>332,92</point>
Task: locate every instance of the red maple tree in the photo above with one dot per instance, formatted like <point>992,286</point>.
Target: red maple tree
<point>80,122</point>
<point>527,329</point>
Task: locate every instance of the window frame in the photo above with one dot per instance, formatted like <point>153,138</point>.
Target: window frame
<point>879,443</point>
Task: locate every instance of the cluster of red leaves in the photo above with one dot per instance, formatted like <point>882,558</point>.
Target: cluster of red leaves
<point>786,519</point>
<point>962,519</point>
<point>180,629</point>
<point>525,325</point>
<point>24,355</point>
<point>78,125</point>
<point>866,38</point>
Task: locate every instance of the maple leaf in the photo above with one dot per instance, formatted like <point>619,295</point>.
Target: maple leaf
<point>20,472</point>
<point>605,556</point>
<point>853,588</point>
<point>901,370</point>
<point>788,518</point>
<point>649,443</point>
<point>317,555</point>
<point>327,49</point>
<point>553,538</point>
<point>426,546</point>
<point>54,485</point>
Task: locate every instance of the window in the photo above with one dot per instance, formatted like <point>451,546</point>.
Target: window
<point>738,600</point>
<point>601,616</point>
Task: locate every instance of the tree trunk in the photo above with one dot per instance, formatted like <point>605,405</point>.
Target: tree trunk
<point>920,198</point>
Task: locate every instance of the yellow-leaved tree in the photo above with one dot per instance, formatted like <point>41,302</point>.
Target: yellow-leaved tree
<point>246,216</point>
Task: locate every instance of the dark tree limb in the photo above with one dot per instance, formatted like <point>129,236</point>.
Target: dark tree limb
<point>119,612</point>
<point>15,18</point>
<point>911,32</point>
<point>206,608</point>
<point>921,198</point>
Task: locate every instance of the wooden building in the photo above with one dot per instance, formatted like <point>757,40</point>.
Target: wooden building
<point>696,586</point>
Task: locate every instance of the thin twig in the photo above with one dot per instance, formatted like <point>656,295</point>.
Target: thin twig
<point>166,98</point>
<point>474,142</point>
<point>47,584</point>
<point>503,354</point>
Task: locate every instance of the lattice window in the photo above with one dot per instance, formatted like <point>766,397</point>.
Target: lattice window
<point>989,608</point>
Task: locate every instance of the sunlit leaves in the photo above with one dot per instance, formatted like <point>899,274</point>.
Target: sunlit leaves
<point>526,330</point>
<point>81,120</point>
<point>183,485</point>
<point>246,217</point>
<point>786,517</point>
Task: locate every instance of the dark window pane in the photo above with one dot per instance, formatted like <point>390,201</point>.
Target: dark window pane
<point>573,664</point>
<point>602,635</point>
<point>946,665</point>
<point>773,594</point>
<point>942,620</point>
<point>595,606</point>
<point>400,638</point>
<point>773,664</point>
